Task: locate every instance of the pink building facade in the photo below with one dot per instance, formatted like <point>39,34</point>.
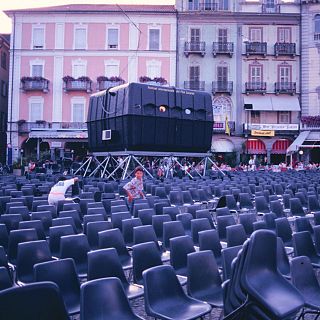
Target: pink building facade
<point>60,55</point>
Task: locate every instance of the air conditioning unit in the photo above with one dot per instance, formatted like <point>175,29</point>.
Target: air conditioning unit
<point>106,135</point>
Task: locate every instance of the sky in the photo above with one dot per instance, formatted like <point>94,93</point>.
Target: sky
<point>5,22</point>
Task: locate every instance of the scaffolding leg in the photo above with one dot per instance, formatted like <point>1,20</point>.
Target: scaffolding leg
<point>83,165</point>
<point>186,171</point>
<point>124,174</point>
<point>214,164</point>
<point>97,168</point>
<point>205,166</point>
<point>118,167</point>
<point>90,159</point>
<point>141,165</point>
<point>105,167</point>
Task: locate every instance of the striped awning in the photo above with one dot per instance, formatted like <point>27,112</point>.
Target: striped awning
<point>255,146</point>
<point>280,146</point>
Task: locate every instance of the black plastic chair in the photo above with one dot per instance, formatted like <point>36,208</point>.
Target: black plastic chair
<point>316,235</point>
<point>276,208</point>
<point>67,221</point>
<point>247,220</point>
<point>305,280</point>
<point>33,301</point>
<point>114,239</point>
<point>175,198</point>
<point>11,221</point>
<point>303,224</point>
<point>16,237</point>
<point>209,240</point>
<point>262,281</point>
<point>157,223</point>
<point>205,213</point>
<point>282,259</point>
<point>34,224</point>
<point>139,206</point>
<point>231,203</point>
<point>74,214</point>
<point>228,254</point>
<point>63,274</point>
<point>224,211</point>
<point>22,210</point>
<point>222,223</point>
<point>105,263</point>
<point>185,219</point>
<point>105,299</point>
<point>204,285</point>
<point>93,228</point>
<point>5,279</point>
<point>261,205</point>
<point>313,203</point>
<point>51,208</point>
<point>4,236</point>
<point>116,218</point>
<point>283,230</point>
<point>171,211</point>
<point>303,246</point>
<point>245,201</point>
<point>180,247</point>
<point>171,229</point>
<point>29,254</point>
<point>146,215</point>
<point>55,233</point>
<point>236,235</point>
<point>76,247</point>
<point>269,219</point>
<point>198,225</point>
<point>91,218</point>
<point>127,229</point>
<point>163,293</point>
<point>296,207</point>
<point>257,225</point>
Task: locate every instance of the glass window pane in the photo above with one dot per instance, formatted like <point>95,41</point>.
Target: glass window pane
<point>78,112</point>
<point>38,38</point>
<point>36,111</point>
<point>79,70</point>
<point>112,70</point>
<point>112,38</point>
<point>80,38</point>
<point>36,70</point>
<point>154,39</point>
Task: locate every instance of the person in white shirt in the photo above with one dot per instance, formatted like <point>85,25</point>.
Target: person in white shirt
<point>58,191</point>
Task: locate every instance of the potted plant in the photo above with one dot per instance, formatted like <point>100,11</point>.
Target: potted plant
<point>144,79</point>
<point>84,78</point>
<point>160,80</point>
<point>102,78</point>
<point>21,122</point>
<point>68,78</point>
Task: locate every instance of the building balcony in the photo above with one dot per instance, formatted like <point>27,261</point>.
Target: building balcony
<point>220,126</point>
<point>222,87</point>
<point>285,87</point>
<point>316,36</point>
<point>310,123</point>
<point>256,48</point>
<point>195,85</point>
<point>26,127</point>
<point>284,49</point>
<point>195,47</point>
<point>106,84</point>
<point>80,84</point>
<point>222,48</point>
<point>256,87</point>
<point>265,8</point>
<point>34,84</point>
<point>208,6</point>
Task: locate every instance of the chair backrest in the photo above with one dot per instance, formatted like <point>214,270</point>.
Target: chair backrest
<point>91,218</point>
<point>303,244</point>
<point>205,213</point>
<point>296,207</point>
<point>74,214</point>
<point>143,234</point>
<point>222,223</point>
<point>282,259</point>
<point>171,211</point>
<point>116,218</point>
<point>105,263</point>
<point>316,234</point>
<point>313,203</point>
<point>113,238</point>
<point>157,223</point>
<point>231,202</point>
<point>176,198</point>
<point>228,254</point>
<point>303,224</point>
<point>276,208</point>
<point>257,225</point>
<point>198,225</point>
<point>209,240</point>
<point>185,219</point>
<point>223,211</point>
<point>208,279</point>
<point>55,233</point>
<point>172,229</point>
<point>247,220</point>
<point>105,299</point>
<point>11,221</point>
<point>144,256</point>
<point>179,249</point>
<point>5,279</point>
<point>245,201</point>
<point>63,273</point>
<point>4,236</point>
<point>137,207</point>
<point>146,215</point>
<point>283,230</point>
<point>34,224</point>
<point>48,207</point>
<point>67,221</point>
<point>269,219</point>
<point>93,228</point>
<point>261,204</point>
<point>236,235</point>
<point>33,301</point>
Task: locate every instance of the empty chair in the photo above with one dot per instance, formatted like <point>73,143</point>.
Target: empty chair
<point>261,205</point>
<point>276,208</point>
<point>116,218</point>
<point>30,253</point>
<point>171,211</point>
<point>76,247</point>
<point>283,230</point>
<point>282,259</point>
<point>50,208</point>
<point>172,229</point>
<point>278,189</point>
<point>127,229</point>
<point>93,228</point>
<point>224,211</point>
<point>97,210</point>
<point>63,274</point>
<point>11,221</point>
<point>45,217</point>
<point>37,203</point>
<point>114,239</point>
<point>228,254</point>
<point>296,207</point>
<point>185,219</point>
<point>34,224</point>
<point>257,225</point>
<point>313,203</point>
<point>269,219</point>
<point>303,224</point>
<point>316,233</point>
<point>146,215</point>
<point>222,223</point>
<point>198,225</point>
<point>245,202</point>
<point>205,213</point>
<point>71,206</point>
<point>236,235</point>
<point>192,209</point>
<point>55,233</point>
<point>209,240</point>
<point>305,280</point>
<point>22,210</point>
<point>247,220</point>
<point>16,237</point>
<point>137,207</point>
<point>180,247</point>
<point>161,192</point>
<point>33,301</point>
<point>4,236</point>
<point>5,279</point>
<point>303,246</point>
<point>157,223</point>
<point>301,196</point>
<point>286,201</point>
<point>74,214</point>
<point>91,218</point>
<point>67,221</point>
<point>175,198</point>
<point>204,285</point>
<point>231,203</point>
<point>105,299</point>
<point>160,205</point>
<point>105,263</point>
<point>163,293</point>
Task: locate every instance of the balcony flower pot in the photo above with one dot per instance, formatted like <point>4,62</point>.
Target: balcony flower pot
<point>21,122</point>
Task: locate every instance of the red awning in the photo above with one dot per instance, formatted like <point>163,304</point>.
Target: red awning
<point>280,146</point>
<point>255,146</point>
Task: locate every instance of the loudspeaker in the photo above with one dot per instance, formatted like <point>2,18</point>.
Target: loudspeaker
<point>248,106</point>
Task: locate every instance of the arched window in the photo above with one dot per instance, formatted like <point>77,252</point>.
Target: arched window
<point>317,24</point>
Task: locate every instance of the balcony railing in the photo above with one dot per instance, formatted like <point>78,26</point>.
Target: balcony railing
<point>195,85</point>
<point>285,87</point>
<point>26,127</point>
<point>310,122</point>
<point>195,47</point>
<point>265,8</point>
<point>35,85</point>
<point>316,36</point>
<point>222,48</point>
<point>256,87</point>
<point>256,48</point>
<point>106,84</point>
<point>208,5</point>
<point>77,85</point>
<point>285,49</point>
<point>222,87</point>
<point>220,126</point>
